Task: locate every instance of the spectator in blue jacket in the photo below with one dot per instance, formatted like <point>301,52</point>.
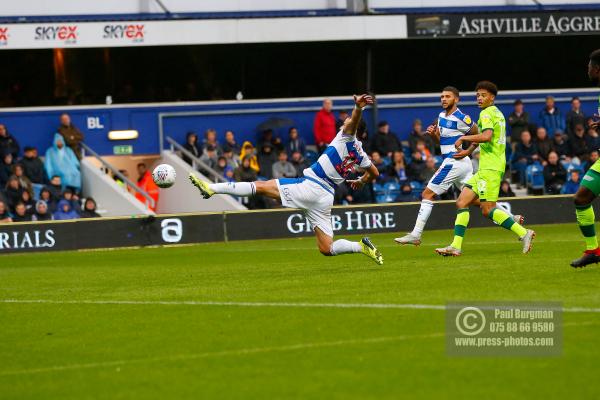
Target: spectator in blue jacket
<point>526,153</point>
<point>551,118</point>
<point>64,211</point>
<point>62,161</point>
<point>572,185</point>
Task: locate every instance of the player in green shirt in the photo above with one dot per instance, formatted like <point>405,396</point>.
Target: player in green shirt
<point>483,188</point>
<point>590,186</point>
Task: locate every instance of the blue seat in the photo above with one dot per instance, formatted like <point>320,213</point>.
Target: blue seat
<point>311,156</point>
<point>386,161</point>
<point>37,188</point>
<point>534,176</point>
<point>378,188</point>
<point>407,155</point>
<point>380,198</point>
<point>438,161</point>
<point>392,187</point>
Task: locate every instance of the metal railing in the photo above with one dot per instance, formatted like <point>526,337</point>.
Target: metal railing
<point>116,172</point>
<point>196,162</point>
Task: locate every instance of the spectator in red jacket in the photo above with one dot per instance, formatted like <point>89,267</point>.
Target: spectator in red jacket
<point>146,183</point>
<point>324,126</point>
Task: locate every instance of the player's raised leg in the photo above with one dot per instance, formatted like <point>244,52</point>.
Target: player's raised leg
<point>466,198</point>
<point>265,188</point>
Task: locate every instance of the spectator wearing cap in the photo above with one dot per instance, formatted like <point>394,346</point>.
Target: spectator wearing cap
<point>4,213</point>
<point>8,144</point>
<point>146,183</point>
<point>551,118</point>
<point>385,141</point>
<point>210,140</point>
<point>89,209</point>
<point>233,160</point>
<point>555,174</point>
<point>191,145</point>
<point>295,143</point>
<point>283,168</point>
<point>61,161</point>
<point>71,134</point>
<point>34,166</point>
<point>324,126</point>
<point>526,153</point>
<point>417,134</point>
<point>229,173</point>
<point>64,211</point>
<point>6,166</point>
<point>543,143</point>
<point>518,121</point>
<point>574,117</point>
<point>248,151</point>
<point>20,214</point>
<point>42,213</point>
<point>572,185</point>
<point>266,159</point>
<point>231,143</point>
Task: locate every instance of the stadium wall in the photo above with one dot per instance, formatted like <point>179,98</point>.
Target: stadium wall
<point>35,126</point>
<point>181,229</point>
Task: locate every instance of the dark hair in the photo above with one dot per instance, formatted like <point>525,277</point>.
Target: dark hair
<point>575,98</point>
<point>451,89</point>
<point>382,123</point>
<point>28,148</point>
<point>518,102</point>
<point>55,176</point>
<point>487,85</point>
<point>141,164</point>
<point>292,128</point>
<point>595,57</point>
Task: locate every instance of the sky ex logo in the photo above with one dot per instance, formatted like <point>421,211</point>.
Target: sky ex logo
<point>66,33</point>
<point>3,36</point>
<point>133,32</point>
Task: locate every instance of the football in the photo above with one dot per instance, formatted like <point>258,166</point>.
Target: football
<point>164,176</point>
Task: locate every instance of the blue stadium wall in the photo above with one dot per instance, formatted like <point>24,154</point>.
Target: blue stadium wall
<point>35,126</point>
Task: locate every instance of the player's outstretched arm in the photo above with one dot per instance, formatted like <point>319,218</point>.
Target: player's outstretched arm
<point>370,174</point>
<point>360,102</point>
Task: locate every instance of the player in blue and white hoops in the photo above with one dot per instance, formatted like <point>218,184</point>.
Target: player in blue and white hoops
<point>456,169</point>
<point>314,192</point>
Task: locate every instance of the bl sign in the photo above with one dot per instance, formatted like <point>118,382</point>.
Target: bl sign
<point>94,123</point>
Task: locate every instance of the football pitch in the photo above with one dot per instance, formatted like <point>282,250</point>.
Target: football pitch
<point>275,319</point>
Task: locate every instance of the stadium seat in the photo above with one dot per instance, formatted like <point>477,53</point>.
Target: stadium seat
<point>534,177</point>
<point>379,189</point>
<point>311,156</point>
<point>392,187</point>
<point>37,188</point>
<point>417,188</point>
<point>438,161</point>
<point>407,155</point>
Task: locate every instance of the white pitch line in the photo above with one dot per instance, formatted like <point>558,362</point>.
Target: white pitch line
<point>263,304</point>
<point>239,352</point>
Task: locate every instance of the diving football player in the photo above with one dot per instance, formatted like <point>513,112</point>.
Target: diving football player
<point>314,192</point>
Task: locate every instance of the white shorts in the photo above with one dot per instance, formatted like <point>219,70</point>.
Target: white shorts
<point>451,172</point>
<point>309,196</point>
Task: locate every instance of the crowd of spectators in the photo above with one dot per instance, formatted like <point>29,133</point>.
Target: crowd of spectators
<point>32,189</point>
<point>561,145</point>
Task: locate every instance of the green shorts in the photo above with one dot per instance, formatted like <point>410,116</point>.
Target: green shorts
<point>486,183</point>
<point>591,179</point>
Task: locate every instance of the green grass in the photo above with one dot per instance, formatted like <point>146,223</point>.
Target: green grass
<point>174,351</point>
